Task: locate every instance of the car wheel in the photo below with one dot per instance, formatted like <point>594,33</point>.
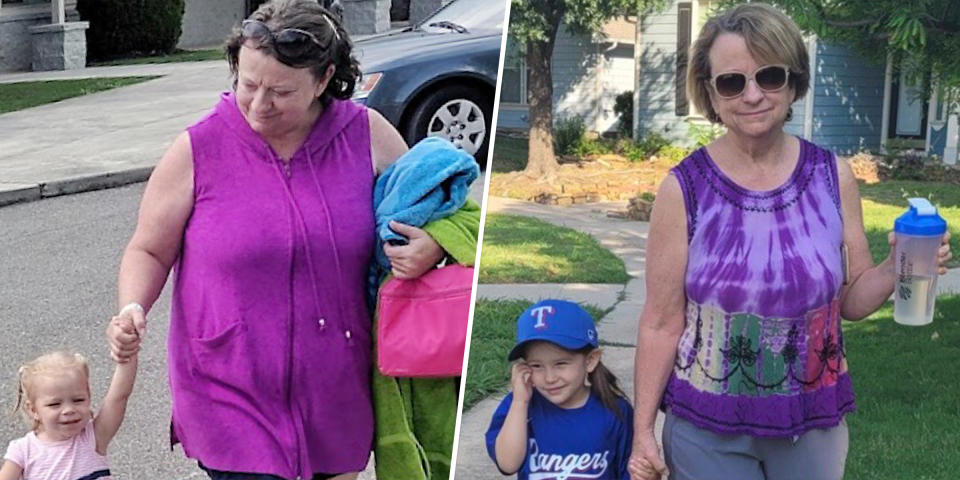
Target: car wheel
<point>459,114</point>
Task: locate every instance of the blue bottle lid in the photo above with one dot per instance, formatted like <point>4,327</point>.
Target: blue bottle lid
<point>922,219</point>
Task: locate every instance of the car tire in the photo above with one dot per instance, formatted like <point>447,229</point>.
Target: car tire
<point>457,113</point>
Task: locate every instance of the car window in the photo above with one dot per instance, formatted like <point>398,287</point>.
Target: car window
<point>471,14</point>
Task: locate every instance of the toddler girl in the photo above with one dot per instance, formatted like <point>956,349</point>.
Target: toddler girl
<point>566,417</point>
<point>67,441</point>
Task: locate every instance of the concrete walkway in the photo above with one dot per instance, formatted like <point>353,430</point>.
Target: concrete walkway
<point>103,139</point>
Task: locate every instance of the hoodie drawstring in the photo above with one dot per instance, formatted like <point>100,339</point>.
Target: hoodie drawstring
<point>303,232</point>
<point>330,233</point>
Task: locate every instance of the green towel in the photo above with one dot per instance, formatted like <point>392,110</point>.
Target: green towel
<point>416,417</point>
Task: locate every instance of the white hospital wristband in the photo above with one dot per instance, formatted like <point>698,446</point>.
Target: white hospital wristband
<point>132,306</point>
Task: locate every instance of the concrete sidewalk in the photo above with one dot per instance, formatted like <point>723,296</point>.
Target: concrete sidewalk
<point>103,139</point>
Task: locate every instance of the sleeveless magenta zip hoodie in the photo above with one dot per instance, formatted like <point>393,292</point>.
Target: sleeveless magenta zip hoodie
<point>269,346</point>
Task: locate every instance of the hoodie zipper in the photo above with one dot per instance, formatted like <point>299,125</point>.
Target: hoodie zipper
<point>285,168</point>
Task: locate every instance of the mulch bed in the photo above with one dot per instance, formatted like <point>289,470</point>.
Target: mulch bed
<point>593,179</point>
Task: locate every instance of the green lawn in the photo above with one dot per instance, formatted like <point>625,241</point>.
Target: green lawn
<point>178,56</point>
<point>494,334</point>
<point>907,423</point>
<point>21,95</point>
<point>885,201</point>
<point>520,249</point>
<point>509,153</point>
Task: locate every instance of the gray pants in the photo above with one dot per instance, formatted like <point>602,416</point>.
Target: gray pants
<point>693,453</point>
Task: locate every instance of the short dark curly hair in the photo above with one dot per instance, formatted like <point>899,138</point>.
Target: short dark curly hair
<point>309,16</point>
<point>771,37</point>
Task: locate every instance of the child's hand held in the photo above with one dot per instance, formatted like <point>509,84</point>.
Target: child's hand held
<point>123,337</point>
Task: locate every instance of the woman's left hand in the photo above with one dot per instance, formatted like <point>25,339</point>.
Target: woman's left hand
<point>943,254</point>
<point>420,254</point>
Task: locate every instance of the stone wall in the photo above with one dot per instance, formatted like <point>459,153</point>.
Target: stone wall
<point>16,50</point>
<point>61,46</point>
<point>16,53</point>
<point>364,17</point>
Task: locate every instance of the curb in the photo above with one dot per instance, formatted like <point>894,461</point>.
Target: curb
<point>69,186</point>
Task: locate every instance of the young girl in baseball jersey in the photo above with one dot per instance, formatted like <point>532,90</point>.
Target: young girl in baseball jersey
<point>67,441</point>
<point>565,418</point>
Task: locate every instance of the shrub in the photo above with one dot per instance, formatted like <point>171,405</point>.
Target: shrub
<point>905,163</point>
<point>123,27</point>
<point>673,154</point>
<point>568,134</point>
<point>590,146</point>
<point>701,135</point>
<point>651,144</point>
<point>623,107</point>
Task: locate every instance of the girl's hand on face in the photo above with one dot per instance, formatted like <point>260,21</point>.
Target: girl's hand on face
<point>123,337</point>
<point>521,381</point>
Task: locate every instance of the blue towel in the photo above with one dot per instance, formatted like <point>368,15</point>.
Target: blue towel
<point>429,182</point>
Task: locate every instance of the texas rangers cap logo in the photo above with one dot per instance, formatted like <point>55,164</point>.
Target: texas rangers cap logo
<point>541,313</point>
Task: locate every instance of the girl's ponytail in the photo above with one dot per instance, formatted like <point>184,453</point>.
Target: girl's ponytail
<point>604,385</point>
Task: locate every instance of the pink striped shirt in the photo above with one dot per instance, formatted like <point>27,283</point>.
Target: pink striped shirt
<point>72,459</point>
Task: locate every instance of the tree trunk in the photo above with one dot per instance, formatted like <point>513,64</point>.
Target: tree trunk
<point>541,161</point>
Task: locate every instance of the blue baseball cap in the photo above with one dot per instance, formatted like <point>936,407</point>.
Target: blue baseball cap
<point>556,321</point>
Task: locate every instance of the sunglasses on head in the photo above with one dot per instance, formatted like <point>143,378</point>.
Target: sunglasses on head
<point>289,42</point>
<point>769,78</point>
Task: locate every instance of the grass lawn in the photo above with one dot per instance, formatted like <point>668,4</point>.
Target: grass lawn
<point>509,154</point>
<point>494,334</point>
<point>885,201</point>
<point>907,423</point>
<point>21,95</point>
<point>520,249</point>
<point>178,56</point>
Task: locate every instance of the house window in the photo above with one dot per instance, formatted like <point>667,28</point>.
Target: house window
<point>515,78</point>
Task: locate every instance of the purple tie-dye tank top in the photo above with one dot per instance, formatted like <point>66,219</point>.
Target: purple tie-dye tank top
<point>762,352</point>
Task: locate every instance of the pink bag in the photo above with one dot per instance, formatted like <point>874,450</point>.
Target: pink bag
<point>422,329</point>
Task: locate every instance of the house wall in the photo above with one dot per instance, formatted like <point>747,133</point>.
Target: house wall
<point>207,23</point>
<point>16,45</point>
<point>587,76</point>
<point>848,101</point>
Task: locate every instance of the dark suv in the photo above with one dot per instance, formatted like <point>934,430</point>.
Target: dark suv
<point>438,77</point>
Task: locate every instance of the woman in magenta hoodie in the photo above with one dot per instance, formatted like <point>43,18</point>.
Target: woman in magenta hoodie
<point>263,210</point>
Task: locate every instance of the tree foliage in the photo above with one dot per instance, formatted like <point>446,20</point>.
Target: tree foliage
<point>922,35</point>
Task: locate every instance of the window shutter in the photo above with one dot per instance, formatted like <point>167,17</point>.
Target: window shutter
<point>684,18</point>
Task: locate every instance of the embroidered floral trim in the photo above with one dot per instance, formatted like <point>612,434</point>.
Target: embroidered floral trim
<point>761,361</point>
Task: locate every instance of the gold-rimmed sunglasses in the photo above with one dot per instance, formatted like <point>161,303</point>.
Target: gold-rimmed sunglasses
<point>769,78</point>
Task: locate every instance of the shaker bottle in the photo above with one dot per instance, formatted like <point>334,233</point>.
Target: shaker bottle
<point>919,232</point>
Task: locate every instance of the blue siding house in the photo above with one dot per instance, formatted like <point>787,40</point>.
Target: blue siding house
<point>587,74</point>
<point>852,105</point>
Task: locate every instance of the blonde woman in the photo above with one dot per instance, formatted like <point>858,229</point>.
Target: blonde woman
<point>743,345</point>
